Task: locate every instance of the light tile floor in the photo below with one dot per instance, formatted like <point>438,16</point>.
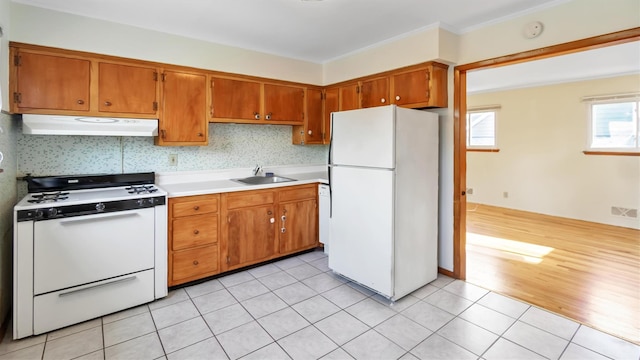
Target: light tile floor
<point>298,309</point>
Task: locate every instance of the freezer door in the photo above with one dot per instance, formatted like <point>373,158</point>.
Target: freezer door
<point>364,137</point>
<point>362,226</point>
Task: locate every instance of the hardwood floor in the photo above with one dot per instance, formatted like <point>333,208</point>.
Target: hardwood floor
<point>585,271</point>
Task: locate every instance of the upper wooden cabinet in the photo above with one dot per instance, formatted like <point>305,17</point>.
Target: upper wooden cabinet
<point>127,89</point>
<point>43,81</point>
<point>312,130</point>
<point>255,102</point>
<point>375,92</point>
<point>422,87</point>
<point>183,119</point>
<point>234,99</point>
<point>349,97</point>
<point>283,103</point>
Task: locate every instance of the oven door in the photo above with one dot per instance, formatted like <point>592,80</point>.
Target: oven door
<point>83,249</point>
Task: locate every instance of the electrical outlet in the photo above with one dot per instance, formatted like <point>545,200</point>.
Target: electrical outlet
<point>505,194</point>
<point>469,191</point>
<point>173,160</point>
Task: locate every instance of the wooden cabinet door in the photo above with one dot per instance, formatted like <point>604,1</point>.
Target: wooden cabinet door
<point>331,104</point>
<point>183,119</point>
<point>251,235</point>
<point>311,132</point>
<point>127,89</point>
<point>375,92</point>
<point>298,225</point>
<point>349,97</point>
<point>235,99</point>
<point>51,82</point>
<point>283,104</point>
<point>426,87</point>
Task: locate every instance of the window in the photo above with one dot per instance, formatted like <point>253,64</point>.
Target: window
<point>481,129</point>
<point>613,124</point>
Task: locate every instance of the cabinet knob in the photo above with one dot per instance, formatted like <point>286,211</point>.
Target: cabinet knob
<point>269,212</point>
<point>80,102</point>
<point>383,100</point>
<point>107,103</point>
<point>310,132</point>
<point>196,208</point>
<point>200,134</point>
<point>272,220</point>
<point>256,116</point>
<point>196,231</point>
<point>195,262</point>
<point>268,117</point>
<point>397,97</point>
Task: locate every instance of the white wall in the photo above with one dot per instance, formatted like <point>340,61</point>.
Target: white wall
<point>542,132</point>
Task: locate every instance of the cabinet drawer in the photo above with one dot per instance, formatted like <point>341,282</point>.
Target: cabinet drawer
<point>194,231</point>
<point>194,205</point>
<point>247,199</point>
<point>299,193</point>
<point>194,262</point>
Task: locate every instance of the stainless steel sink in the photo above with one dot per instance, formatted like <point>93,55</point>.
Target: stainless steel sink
<point>260,180</point>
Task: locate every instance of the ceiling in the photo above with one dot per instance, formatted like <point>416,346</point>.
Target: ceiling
<point>312,30</point>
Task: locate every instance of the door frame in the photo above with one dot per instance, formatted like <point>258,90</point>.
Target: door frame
<point>459,124</point>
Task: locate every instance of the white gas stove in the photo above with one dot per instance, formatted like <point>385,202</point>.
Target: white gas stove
<point>86,246</point>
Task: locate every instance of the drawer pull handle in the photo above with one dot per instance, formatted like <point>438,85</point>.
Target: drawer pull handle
<point>107,103</point>
<point>195,262</point>
<point>118,281</point>
<point>196,231</point>
<point>196,208</point>
<point>80,102</point>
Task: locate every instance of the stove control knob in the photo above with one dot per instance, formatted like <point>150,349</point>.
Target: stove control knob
<point>39,214</point>
<point>100,206</point>
<point>140,202</point>
<point>52,212</point>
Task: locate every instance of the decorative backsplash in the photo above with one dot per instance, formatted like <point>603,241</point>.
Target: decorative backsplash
<point>230,146</point>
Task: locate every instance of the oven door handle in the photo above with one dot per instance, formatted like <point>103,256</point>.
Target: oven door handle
<point>103,216</point>
<point>118,281</point>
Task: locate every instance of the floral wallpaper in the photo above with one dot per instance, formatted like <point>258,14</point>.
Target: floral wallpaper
<point>230,146</point>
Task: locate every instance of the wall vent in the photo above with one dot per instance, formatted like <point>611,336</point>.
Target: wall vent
<point>624,212</point>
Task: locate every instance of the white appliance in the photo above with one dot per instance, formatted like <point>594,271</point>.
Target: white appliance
<point>86,246</point>
<point>383,173</point>
<point>324,200</point>
<point>35,124</point>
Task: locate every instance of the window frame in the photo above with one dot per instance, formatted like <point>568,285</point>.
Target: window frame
<point>483,109</point>
<point>611,99</point>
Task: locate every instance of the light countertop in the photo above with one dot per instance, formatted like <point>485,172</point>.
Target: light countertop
<point>218,181</point>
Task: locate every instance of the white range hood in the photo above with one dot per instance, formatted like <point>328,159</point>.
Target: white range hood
<point>83,125</point>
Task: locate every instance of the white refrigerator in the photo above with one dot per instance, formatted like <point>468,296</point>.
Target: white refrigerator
<point>383,175</point>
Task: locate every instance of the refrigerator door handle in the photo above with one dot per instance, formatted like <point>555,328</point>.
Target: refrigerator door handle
<point>330,162</point>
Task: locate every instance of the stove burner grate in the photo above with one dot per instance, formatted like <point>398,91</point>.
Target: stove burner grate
<point>48,197</point>
<point>141,189</point>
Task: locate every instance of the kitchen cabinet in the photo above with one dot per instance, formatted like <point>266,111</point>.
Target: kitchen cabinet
<point>312,130</point>
<point>193,238</point>
<point>255,102</point>
<point>260,225</point>
<point>127,89</point>
<point>183,119</point>
<point>298,216</point>
<point>374,92</point>
<point>233,99</point>
<point>349,97</point>
<point>283,103</point>
<point>51,82</point>
<point>331,104</point>
<point>249,228</point>
<point>421,87</point>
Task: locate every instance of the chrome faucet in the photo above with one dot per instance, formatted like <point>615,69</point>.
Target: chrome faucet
<point>257,170</point>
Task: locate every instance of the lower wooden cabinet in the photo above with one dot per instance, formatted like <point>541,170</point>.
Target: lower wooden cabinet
<point>210,234</point>
<point>193,238</point>
<point>261,225</point>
